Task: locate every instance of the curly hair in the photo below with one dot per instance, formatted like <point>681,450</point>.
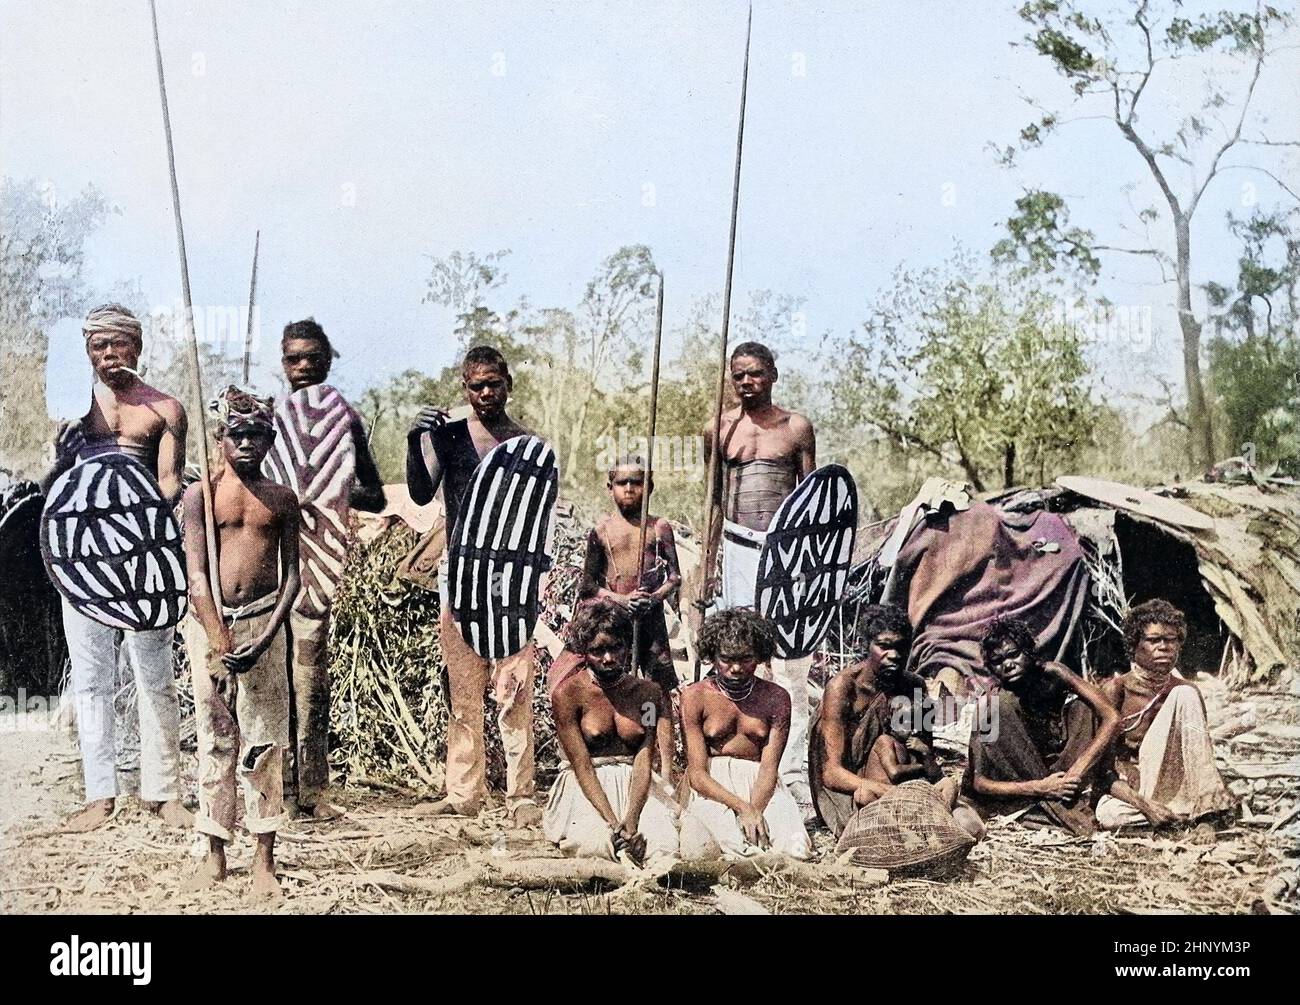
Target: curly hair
<point>876,619</point>
<point>308,328</point>
<point>756,350</point>
<point>1000,630</point>
<point>1152,612</point>
<point>634,461</point>
<point>486,355</point>
<point>738,630</point>
<point>594,617</point>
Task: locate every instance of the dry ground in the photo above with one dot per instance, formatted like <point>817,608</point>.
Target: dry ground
<point>384,858</point>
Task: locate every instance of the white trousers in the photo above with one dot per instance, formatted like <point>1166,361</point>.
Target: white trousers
<point>93,649</point>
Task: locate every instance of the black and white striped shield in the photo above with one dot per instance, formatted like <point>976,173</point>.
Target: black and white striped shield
<point>112,546</point>
<point>803,567</point>
<point>502,545</point>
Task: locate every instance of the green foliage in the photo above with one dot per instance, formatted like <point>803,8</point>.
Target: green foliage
<point>1255,354</point>
<point>1041,240</point>
<point>983,380</point>
<point>582,373</point>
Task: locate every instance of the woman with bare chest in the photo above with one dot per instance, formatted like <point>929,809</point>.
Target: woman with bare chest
<point>736,726</point>
<point>606,801</point>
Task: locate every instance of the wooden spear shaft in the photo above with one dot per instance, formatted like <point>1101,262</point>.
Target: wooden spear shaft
<point>711,489</point>
<point>649,465</point>
<point>200,402</point>
<point>252,301</point>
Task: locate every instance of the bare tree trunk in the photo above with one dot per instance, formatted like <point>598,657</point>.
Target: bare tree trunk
<point>1198,414</point>
<point>1009,465</point>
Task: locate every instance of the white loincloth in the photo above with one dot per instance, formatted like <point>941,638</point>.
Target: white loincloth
<point>710,829</point>
<point>571,822</point>
<point>1175,766</point>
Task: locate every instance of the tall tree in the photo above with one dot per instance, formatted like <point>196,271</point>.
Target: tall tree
<point>1254,354</point>
<point>980,377</point>
<point>1120,66</point>
<point>41,280</point>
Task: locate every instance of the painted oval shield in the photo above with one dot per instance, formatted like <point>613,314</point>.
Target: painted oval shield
<point>112,546</point>
<point>803,567</point>
<point>501,546</point>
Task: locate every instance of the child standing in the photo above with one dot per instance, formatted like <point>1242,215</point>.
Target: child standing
<point>237,656</point>
<point>610,572</point>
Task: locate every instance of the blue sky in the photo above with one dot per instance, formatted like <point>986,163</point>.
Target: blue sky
<point>363,137</point>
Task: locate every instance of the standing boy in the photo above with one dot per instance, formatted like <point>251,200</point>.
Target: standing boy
<point>237,655</point>
<point>610,572</point>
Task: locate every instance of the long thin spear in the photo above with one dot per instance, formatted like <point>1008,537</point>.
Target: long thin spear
<point>649,464</point>
<point>200,401</point>
<point>710,503</point>
<point>252,300</point>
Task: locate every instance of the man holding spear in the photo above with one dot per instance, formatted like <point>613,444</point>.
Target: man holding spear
<point>766,451</point>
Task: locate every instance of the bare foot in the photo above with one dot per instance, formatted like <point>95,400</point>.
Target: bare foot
<point>91,816</point>
<point>948,789</point>
<point>527,815</point>
<point>445,808</point>
<point>265,888</point>
<point>211,871</point>
<point>969,821</point>
<point>322,811</point>
<point>173,814</point>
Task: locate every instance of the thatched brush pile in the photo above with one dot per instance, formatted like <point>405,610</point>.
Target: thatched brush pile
<point>389,707</point>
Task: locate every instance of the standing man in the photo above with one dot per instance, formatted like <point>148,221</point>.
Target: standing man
<point>306,354</point>
<point>443,453</point>
<point>130,417</point>
<point>766,451</point>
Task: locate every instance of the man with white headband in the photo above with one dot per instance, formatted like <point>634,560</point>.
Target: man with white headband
<point>126,416</point>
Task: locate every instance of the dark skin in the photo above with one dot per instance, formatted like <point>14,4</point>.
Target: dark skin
<point>126,409</point>
<point>622,536</point>
<point>846,699</point>
<point>257,554</point>
<point>756,430</point>
<point>755,729</point>
<point>1157,651</point>
<point>595,721</point>
<point>143,421</point>
<point>487,390</point>
<point>1038,685</point>
<point>307,363</point>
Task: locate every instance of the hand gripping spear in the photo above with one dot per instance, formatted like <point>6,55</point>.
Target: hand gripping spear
<point>200,401</point>
<point>711,488</point>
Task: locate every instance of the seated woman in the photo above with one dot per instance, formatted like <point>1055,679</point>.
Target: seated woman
<point>1164,757</point>
<point>736,726</point>
<point>1042,742</point>
<point>607,722</point>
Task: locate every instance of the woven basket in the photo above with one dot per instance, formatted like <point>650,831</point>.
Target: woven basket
<point>907,831</point>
